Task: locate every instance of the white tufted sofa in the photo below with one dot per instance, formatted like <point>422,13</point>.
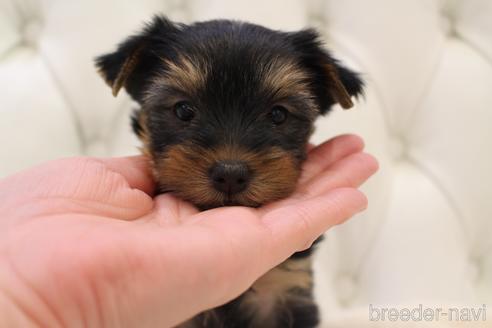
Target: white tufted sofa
<point>427,116</point>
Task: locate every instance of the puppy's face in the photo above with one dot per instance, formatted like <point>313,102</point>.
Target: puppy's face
<point>226,108</point>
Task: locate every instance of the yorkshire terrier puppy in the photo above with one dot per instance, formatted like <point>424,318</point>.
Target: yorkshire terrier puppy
<point>226,111</point>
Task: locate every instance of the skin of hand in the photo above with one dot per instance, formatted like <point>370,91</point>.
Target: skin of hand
<point>84,243</point>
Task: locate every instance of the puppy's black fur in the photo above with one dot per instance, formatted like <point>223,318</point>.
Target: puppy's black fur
<point>227,109</point>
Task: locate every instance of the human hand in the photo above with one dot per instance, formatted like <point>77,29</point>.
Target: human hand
<point>83,243</point>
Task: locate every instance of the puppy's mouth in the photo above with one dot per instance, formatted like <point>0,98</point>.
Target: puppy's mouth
<point>210,198</point>
<point>211,178</point>
<point>229,200</point>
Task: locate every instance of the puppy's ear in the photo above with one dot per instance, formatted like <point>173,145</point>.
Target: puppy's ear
<point>138,57</point>
<point>331,81</point>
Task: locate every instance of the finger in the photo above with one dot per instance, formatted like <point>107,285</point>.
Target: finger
<point>295,227</point>
<point>170,211</point>
<point>80,185</point>
<point>135,169</point>
<point>351,171</point>
<point>322,156</point>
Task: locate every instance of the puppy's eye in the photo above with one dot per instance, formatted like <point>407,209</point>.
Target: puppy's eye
<point>278,115</point>
<point>184,111</point>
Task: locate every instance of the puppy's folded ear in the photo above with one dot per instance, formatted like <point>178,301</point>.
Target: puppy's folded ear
<point>331,81</point>
<point>138,58</point>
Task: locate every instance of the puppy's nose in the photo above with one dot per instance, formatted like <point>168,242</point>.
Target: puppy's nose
<point>230,176</point>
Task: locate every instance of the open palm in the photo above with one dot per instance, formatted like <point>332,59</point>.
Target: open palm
<point>83,242</point>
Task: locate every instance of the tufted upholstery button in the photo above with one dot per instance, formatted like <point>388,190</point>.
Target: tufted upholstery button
<point>96,148</point>
<point>448,20</point>
<point>474,270</point>
<point>397,148</point>
<point>449,27</point>
<point>346,287</point>
<point>31,32</point>
<point>178,10</point>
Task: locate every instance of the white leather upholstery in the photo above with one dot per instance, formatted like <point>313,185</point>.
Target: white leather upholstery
<point>427,114</point>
